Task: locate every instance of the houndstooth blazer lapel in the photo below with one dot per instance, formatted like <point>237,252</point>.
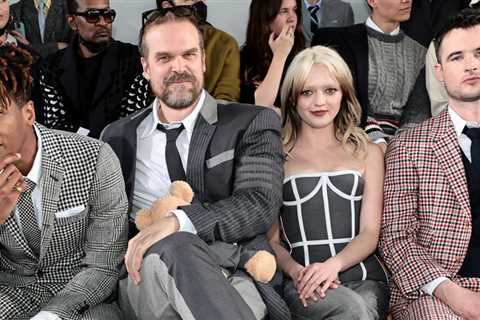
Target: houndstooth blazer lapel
<point>448,153</point>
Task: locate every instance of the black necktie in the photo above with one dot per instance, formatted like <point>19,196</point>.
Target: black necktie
<point>172,157</point>
<point>28,218</point>
<point>314,20</point>
<point>474,135</point>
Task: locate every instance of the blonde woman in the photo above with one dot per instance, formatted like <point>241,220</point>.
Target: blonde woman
<point>333,194</point>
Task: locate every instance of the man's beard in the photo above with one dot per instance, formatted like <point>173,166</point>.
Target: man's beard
<point>182,97</point>
<point>95,47</point>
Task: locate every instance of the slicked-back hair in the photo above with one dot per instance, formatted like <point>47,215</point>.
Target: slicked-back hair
<point>160,19</point>
<point>72,6</point>
<point>465,19</point>
<point>15,78</point>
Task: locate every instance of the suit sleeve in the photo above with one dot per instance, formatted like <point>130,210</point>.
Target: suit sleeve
<point>105,243</point>
<point>410,265</point>
<point>257,187</point>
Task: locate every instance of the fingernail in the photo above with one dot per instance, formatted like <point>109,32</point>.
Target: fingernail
<point>19,156</point>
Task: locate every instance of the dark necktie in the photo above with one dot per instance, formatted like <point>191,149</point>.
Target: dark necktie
<point>172,157</point>
<point>314,17</point>
<point>28,219</point>
<point>474,135</point>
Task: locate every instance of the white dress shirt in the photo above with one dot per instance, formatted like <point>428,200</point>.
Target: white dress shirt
<point>375,27</point>
<point>465,144</point>
<point>151,173</point>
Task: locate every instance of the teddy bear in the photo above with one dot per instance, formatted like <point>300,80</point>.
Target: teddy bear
<point>260,264</point>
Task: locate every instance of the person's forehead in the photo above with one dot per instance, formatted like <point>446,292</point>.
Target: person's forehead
<point>461,40</point>
<point>172,36</point>
<point>94,4</point>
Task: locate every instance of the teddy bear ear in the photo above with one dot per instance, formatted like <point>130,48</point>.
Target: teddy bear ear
<point>182,190</point>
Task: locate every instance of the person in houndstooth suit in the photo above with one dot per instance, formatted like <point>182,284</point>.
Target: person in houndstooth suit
<point>63,212</point>
<point>431,225</point>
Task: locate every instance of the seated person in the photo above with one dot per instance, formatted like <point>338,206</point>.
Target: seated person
<point>91,83</point>
<point>324,13</point>
<point>436,91</point>
<point>386,66</point>
<point>274,37</point>
<point>231,156</point>
<point>6,24</point>
<point>44,25</point>
<point>430,237</point>
<point>332,196</point>
<point>222,55</point>
<point>428,16</point>
<point>63,212</point>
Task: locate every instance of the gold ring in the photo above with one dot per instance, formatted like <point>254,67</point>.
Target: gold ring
<point>19,189</point>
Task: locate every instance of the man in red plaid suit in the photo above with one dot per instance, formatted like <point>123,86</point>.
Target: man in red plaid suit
<point>430,237</point>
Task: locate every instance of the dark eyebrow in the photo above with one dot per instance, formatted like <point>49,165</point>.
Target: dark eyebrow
<point>453,54</point>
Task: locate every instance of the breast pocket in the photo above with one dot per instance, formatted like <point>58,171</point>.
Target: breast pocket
<point>71,215</point>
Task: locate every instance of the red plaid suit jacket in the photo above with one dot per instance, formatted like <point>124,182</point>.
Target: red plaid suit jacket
<point>426,224</point>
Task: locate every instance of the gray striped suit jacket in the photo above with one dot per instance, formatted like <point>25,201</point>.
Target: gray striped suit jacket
<point>235,167</point>
<point>80,255</point>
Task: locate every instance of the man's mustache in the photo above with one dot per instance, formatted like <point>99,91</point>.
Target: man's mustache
<point>179,77</point>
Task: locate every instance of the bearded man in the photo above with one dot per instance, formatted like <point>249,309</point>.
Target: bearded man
<point>230,154</point>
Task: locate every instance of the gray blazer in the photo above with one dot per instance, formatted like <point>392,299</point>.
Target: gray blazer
<point>56,27</point>
<point>235,167</point>
<point>334,13</point>
<point>81,253</point>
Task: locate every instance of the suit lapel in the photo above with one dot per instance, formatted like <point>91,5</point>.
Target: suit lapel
<point>54,14</point>
<point>108,67</point>
<point>13,228</point>
<point>30,18</point>
<point>202,134</point>
<point>448,153</point>
<point>69,74</point>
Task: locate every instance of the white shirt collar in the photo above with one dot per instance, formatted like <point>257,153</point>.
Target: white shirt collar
<point>375,27</point>
<point>458,122</point>
<point>10,39</point>
<point>188,122</point>
<point>36,171</point>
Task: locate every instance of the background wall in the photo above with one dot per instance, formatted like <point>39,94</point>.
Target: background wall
<point>228,15</point>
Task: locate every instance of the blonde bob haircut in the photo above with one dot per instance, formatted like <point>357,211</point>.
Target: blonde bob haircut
<point>348,118</point>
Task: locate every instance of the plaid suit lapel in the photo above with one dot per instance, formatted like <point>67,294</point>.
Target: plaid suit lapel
<point>447,151</point>
<point>202,134</point>
<point>13,228</point>
<point>51,182</point>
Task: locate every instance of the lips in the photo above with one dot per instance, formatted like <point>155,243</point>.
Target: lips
<point>319,113</point>
<point>471,79</point>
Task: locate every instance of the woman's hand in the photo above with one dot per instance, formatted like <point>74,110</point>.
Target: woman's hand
<point>283,44</point>
<point>317,278</point>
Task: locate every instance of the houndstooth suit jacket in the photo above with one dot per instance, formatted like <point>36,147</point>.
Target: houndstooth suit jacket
<point>426,223</point>
<point>80,255</point>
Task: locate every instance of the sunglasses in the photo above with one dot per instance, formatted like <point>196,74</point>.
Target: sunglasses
<point>179,11</point>
<point>93,15</point>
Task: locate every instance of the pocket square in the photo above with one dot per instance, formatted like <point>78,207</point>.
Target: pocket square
<point>220,158</point>
<point>70,212</point>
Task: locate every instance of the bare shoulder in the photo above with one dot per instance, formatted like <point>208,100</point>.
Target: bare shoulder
<point>374,157</point>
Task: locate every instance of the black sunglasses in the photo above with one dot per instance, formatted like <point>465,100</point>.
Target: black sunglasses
<point>179,11</point>
<point>93,15</point>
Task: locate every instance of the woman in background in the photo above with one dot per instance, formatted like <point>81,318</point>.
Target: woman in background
<point>333,195</point>
<point>274,37</point>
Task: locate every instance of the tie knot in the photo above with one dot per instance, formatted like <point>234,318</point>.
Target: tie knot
<point>472,133</point>
<point>172,134</point>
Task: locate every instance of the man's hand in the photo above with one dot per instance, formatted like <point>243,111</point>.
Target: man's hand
<point>11,185</point>
<point>463,302</point>
<point>138,245</point>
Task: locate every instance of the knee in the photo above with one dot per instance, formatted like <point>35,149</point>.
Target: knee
<point>178,247</point>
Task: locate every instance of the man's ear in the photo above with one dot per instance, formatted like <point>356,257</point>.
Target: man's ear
<point>204,62</point>
<point>28,112</point>
<point>439,72</point>
<point>146,68</point>
<point>372,3</point>
<point>166,4</point>
<point>72,23</point>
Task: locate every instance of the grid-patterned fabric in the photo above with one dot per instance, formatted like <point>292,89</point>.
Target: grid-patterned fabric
<point>321,215</point>
<point>426,224</point>
<point>28,220</point>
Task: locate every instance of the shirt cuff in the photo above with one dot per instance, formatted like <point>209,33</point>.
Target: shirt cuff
<point>430,287</point>
<point>45,315</point>
<point>184,221</point>
<point>380,140</point>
